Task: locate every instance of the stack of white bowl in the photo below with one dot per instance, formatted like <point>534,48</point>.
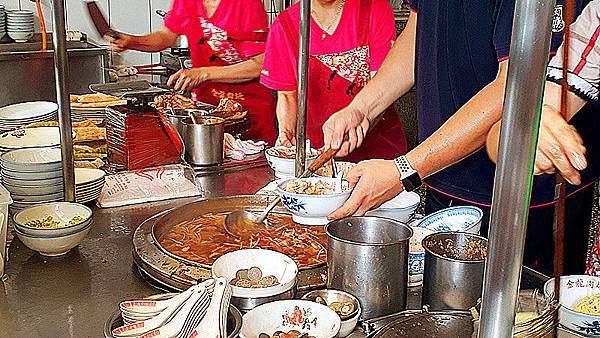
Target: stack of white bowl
<point>53,241</point>
<point>20,25</point>
<point>2,22</point>
<point>17,115</point>
<point>29,138</point>
<point>88,184</point>
<point>32,176</point>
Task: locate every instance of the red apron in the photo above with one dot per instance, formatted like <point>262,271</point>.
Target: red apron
<point>334,80</point>
<point>211,46</point>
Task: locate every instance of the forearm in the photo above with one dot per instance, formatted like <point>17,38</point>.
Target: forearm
<point>153,42</point>
<point>238,73</point>
<point>394,78</point>
<point>287,106</point>
<point>464,133</point>
<point>552,97</point>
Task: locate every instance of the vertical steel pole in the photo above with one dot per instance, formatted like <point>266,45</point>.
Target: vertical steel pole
<point>529,50</point>
<point>303,55</point>
<point>61,74</point>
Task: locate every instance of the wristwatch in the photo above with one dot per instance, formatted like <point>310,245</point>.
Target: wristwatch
<point>409,176</point>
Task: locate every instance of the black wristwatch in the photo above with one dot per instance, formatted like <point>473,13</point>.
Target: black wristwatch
<point>409,176</point>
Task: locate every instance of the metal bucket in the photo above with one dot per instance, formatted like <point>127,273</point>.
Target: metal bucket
<point>451,284</point>
<point>177,116</point>
<point>203,140</point>
<point>368,258</point>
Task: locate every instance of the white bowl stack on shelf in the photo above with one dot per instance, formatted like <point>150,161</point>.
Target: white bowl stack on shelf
<point>88,184</point>
<point>17,115</point>
<point>2,22</point>
<point>32,176</point>
<point>20,25</point>
<point>29,138</point>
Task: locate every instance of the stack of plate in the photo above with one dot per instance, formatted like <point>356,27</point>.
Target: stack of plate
<point>20,25</point>
<point>17,115</point>
<point>2,22</point>
<point>32,176</point>
<point>80,114</point>
<point>29,138</point>
<point>88,184</point>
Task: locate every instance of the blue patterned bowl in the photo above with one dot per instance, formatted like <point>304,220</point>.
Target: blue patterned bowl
<point>312,209</point>
<point>572,289</point>
<point>462,218</point>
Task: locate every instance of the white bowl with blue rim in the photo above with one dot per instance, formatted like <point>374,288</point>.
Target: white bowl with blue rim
<point>49,189</point>
<point>18,182</point>
<point>416,255</point>
<point>461,218</point>
<point>572,289</point>
<point>32,176</point>
<point>37,198</point>
<point>400,208</point>
<point>286,167</point>
<point>32,160</point>
<point>313,209</point>
<point>54,245</point>
<point>62,212</point>
<point>286,315</point>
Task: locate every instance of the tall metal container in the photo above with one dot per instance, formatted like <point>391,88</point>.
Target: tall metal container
<point>451,284</point>
<point>368,257</point>
<point>204,140</point>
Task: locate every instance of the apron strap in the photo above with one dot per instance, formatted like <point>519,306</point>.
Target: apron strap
<point>364,23</point>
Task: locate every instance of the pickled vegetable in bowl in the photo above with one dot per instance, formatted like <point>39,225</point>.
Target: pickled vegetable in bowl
<point>49,222</point>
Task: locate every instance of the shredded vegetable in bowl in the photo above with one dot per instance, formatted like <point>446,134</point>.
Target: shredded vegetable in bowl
<point>50,223</point>
<point>312,188</point>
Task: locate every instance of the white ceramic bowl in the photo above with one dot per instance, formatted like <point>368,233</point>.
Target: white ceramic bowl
<point>285,167</point>
<point>572,289</point>
<point>271,263</point>
<point>34,190</point>
<point>400,208</point>
<point>37,198</point>
<point>30,138</point>
<point>342,169</point>
<point>32,183</point>
<point>19,36</point>
<point>330,296</point>
<point>27,110</point>
<point>416,256</point>
<point>85,176</point>
<point>461,218</point>
<point>32,176</point>
<point>54,245</point>
<point>32,159</point>
<point>286,315</point>
<point>60,211</point>
<point>312,209</point>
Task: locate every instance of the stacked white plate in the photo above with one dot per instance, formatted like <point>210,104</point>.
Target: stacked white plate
<point>29,138</point>
<point>88,184</point>
<point>2,22</point>
<point>32,176</point>
<point>19,25</point>
<point>80,114</point>
<point>17,115</point>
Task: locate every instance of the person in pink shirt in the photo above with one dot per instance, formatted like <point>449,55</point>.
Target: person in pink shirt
<point>348,42</point>
<point>227,43</point>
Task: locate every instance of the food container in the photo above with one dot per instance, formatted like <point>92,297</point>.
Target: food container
<point>204,140</point>
<point>177,116</point>
<point>416,256</point>
<point>461,218</point>
<point>332,296</point>
<point>400,208</point>
<point>59,211</point>
<point>286,167</point>
<point>572,289</point>
<point>5,201</point>
<point>271,263</point>
<point>449,283</point>
<point>368,258</point>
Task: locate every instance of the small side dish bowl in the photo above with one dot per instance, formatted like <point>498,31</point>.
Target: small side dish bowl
<point>461,218</point>
<point>285,315</point>
<point>335,296</point>
<point>400,208</point>
<point>309,209</point>
<point>54,245</point>
<point>286,167</point>
<point>572,289</point>
<point>62,212</point>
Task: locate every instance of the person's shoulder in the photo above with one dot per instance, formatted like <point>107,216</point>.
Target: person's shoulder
<point>383,5</point>
<point>293,12</point>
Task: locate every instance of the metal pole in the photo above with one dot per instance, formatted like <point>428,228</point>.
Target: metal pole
<point>529,50</point>
<point>61,74</point>
<point>303,55</point>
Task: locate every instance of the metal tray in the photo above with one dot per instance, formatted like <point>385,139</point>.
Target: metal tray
<point>126,89</point>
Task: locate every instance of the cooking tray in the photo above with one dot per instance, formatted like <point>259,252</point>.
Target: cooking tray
<point>455,324</point>
<point>129,89</point>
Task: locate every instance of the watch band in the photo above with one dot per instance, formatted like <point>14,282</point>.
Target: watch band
<point>409,176</point>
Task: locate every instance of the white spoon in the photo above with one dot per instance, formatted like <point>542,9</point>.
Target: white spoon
<point>213,324</point>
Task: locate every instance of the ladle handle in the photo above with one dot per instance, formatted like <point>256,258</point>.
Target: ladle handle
<point>320,161</point>
<point>270,207</point>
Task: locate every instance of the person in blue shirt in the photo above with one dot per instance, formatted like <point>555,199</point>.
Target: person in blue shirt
<point>456,53</point>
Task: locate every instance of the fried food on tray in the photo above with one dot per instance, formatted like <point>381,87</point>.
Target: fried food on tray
<point>173,101</point>
<point>82,152</point>
<point>90,164</point>
<point>81,124</point>
<point>230,110</point>
<point>96,100</point>
<point>89,134</point>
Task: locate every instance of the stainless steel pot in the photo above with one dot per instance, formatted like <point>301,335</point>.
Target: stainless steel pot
<point>176,116</point>
<point>247,304</point>
<point>451,284</point>
<point>368,258</point>
<point>203,140</point>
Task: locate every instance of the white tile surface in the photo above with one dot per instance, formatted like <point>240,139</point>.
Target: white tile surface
<point>79,20</point>
<point>156,21</point>
<point>130,16</point>
<point>11,4</point>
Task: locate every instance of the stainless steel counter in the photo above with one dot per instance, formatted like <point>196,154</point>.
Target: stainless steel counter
<point>73,295</point>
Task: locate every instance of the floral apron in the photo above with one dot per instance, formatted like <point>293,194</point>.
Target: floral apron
<point>334,79</point>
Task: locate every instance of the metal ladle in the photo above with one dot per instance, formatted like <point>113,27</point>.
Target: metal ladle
<point>241,223</point>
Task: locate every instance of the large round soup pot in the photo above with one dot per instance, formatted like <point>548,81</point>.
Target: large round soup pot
<point>368,258</point>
